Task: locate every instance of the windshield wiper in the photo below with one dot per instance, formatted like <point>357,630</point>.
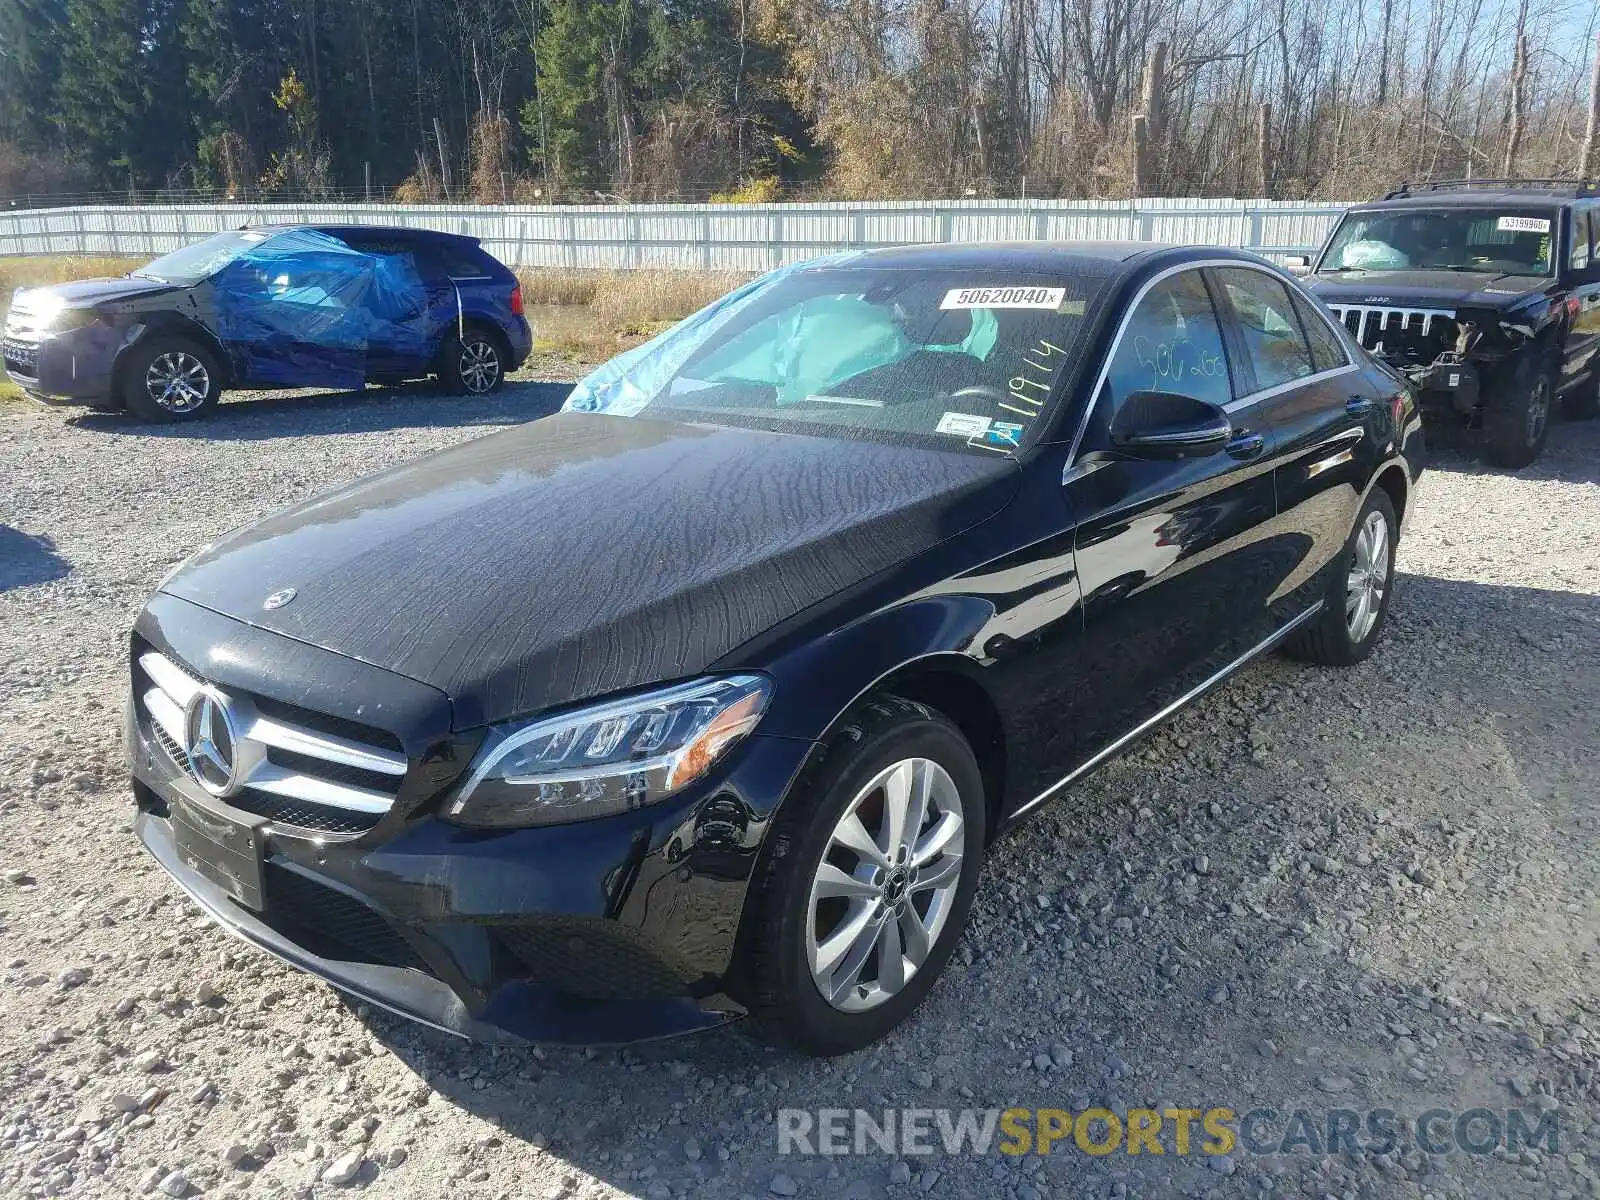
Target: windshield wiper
<point>1340,270</point>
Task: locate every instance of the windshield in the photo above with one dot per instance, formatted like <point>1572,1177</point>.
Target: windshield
<point>203,259</point>
<point>957,359</point>
<point>1507,242</point>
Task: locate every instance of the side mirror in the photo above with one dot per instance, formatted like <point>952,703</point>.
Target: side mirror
<point>1167,425</point>
<point>1297,264</point>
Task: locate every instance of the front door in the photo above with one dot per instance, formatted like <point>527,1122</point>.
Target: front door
<point>1583,332</point>
<point>1172,556</point>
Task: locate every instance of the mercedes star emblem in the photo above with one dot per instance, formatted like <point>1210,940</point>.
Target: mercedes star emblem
<point>210,742</point>
<point>279,598</point>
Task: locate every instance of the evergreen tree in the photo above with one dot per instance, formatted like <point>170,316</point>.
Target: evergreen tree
<point>30,55</point>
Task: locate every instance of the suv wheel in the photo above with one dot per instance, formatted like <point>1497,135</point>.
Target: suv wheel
<point>472,364</point>
<point>1517,424</point>
<point>1357,600</point>
<point>170,378</point>
<point>868,880</point>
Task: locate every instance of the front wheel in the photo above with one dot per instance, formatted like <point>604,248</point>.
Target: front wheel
<point>1517,424</point>
<point>167,378</point>
<point>868,878</point>
<point>1357,600</point>
<point>471,364</point>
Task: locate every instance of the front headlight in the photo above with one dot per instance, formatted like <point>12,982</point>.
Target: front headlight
<point>53,312</point>
<point>609,758</point>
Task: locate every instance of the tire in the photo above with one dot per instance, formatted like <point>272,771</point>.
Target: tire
<point>1517,424</point>
<point>473,364</point>
<point>168,377</point>
<point>884,736</point>
<point>1335,638</point>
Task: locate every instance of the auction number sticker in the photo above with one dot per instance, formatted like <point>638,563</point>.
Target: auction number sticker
<point>1004,297</point>
<point>965,425</point>
<point>1523,225</point>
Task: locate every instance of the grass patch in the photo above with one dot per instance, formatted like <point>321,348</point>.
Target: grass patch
<point>591,315</point>
<point>33,270</point>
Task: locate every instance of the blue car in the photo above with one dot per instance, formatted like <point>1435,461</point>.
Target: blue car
<point>275,306</point>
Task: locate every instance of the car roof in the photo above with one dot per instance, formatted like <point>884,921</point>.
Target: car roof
<point>395,231</point>
<point>1511,198</point>
<point>1091,258</point>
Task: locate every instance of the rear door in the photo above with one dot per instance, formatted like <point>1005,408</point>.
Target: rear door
<point>1306,385</point>
<point>399,306</point>
<point>1170,553</point>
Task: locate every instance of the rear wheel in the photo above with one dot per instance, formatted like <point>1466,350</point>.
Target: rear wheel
<point>169,378</point>
<point>471,364</point>
<point>868,879</point>
<point>1357,600</point>
<point>1518,423</point>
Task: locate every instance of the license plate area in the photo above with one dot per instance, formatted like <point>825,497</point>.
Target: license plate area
<point>224,851</point>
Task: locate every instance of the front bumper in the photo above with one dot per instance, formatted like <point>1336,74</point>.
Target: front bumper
<point>72,367</point>
<point>613,930</point>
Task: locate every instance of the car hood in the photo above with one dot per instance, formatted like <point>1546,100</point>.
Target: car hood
<point>1426,289</point>
<point>585,553</point>
<point>82,293</point>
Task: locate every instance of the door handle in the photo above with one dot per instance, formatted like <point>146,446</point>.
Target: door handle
<point>1246,446</point>
<point>1359,406</point>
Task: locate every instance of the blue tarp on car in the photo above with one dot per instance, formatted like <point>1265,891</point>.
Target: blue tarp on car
<point>304,309</point>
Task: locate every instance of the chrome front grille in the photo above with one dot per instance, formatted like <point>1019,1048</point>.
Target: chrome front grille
<point>349,782</point>
<point>1424,331</point>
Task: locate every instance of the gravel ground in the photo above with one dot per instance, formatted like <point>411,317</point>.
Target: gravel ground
<point>1316,890</point>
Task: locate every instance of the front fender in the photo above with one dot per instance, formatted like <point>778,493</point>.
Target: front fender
<point>818,682</point>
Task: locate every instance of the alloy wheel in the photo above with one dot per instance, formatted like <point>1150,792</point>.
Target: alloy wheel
<point>885,887</point>
<point>1538,410</point>
<point>480,365</point>
<point>177,381</point>
<point>1369,575</point>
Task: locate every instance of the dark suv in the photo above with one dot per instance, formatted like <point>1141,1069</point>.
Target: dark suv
<point>271,307</point>
<point>1484,294</point>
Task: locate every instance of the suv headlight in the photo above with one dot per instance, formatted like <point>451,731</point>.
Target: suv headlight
<point>608,758</point>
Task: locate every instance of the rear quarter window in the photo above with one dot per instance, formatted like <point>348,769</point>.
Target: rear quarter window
<point>458,261</point>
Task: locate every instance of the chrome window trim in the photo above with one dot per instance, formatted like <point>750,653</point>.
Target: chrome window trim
<point>1234,405</point>
<point>1277,389</point>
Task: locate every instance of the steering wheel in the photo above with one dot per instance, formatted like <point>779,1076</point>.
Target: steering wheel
<point>981,391</point>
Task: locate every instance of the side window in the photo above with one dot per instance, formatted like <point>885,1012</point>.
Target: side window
<point>1172,343</point>
<point>442,260</point>
<point>1272,334</point>
<point>1326,350</point>
<point>1580,256</point>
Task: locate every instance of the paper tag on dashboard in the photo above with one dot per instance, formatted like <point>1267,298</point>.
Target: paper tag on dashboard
<point>962,425</point>
<point>1523,224</point>
<point>1003,297</point>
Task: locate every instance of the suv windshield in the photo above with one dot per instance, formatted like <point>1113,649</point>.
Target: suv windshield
<point>203,259</point>
<point>1509,241</point>
<point>964,359</point>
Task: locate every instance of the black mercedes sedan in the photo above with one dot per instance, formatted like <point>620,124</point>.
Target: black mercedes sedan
<point>708,695</point>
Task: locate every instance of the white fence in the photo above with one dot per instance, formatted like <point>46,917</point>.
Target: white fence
<point>705,236</point>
